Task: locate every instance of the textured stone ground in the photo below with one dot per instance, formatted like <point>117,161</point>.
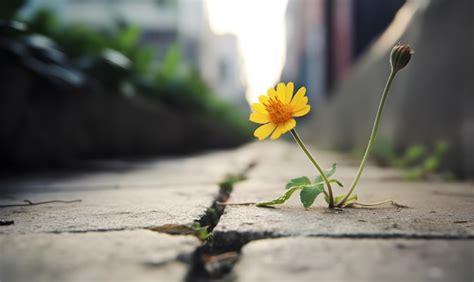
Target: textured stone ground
<point>104,237</point>
<point>326,259</point>
<point>139,255</point>
<point>435,209</point>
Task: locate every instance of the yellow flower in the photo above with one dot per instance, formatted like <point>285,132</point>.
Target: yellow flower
<point>276,110</point>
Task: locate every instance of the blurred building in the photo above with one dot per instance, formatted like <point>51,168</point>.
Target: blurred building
<point>324,37</point>
<point>217,56</point>
<point>164,23</point>
<point>305,58</point>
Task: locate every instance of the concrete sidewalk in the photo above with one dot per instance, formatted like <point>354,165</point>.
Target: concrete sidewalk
<point>107,236</point>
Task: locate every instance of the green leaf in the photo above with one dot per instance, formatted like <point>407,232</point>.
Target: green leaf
<point>303,180</point>
<point>328,173</point>
<point>201,232</point>
<point>310,193</point>
<point>280,200</point>
<point>337,199</point>
<point>337,182</point>
<point>352,199</point>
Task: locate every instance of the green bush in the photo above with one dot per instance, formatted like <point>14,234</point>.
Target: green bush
<point>417,161</point>
<point>171,82</point>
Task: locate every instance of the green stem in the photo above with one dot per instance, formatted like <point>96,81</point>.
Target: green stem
<point>316,165</point>
<point>371,138</point>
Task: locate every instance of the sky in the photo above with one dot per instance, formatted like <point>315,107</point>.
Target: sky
<point>259,26</point>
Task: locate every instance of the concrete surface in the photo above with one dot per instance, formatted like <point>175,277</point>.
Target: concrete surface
<point>103,237</point>
<point>139,255</point>
<point>325,259</point>
<point>121,196</point>
<point>435,209</point>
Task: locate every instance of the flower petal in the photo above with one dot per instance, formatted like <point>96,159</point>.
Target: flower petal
<point>303,111</point>
<point>298,96</point>
<point>271,92</point>
<point>289,92</point>
<point>263,99</point>
<point>263,131</point>
<point>281,91</point>
<point>278,131</point>
<point>300,104</point>
<point>259,118</point>
<point>259,108</point>
<point>290,124</point>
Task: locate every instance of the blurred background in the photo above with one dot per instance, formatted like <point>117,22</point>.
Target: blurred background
<point>101,79</point>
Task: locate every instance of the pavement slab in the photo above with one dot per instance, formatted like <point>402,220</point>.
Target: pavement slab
<point>139,255</point>
<point>102,210</point>
<point>202,169</point>
<point>328,259</point>
<point>435,209</point>
<point>119,195</point>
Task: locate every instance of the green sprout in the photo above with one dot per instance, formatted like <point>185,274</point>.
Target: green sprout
<point>201,232</point>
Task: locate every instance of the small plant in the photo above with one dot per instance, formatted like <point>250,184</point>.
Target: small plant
<point>426,164</point>
<point>417,161</point>
<point>227,184</point>
<point>276,112</point>
<point>200,232</point>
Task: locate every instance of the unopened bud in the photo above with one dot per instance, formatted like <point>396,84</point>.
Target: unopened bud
<point>400,56</point>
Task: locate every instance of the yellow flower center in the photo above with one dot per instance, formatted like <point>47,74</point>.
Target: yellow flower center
<point>278,112</point>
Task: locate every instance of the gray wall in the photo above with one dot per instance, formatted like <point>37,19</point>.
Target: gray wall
<point>431,99</point>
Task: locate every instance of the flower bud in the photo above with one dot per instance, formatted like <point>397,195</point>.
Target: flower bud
<point>400,56</point>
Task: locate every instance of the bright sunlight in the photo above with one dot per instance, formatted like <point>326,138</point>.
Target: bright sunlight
<point>260,29</point>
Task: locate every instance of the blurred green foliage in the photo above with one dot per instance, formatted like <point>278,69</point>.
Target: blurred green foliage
<point>78,40</point>
<point>116,57</point>
<point>417,161</point>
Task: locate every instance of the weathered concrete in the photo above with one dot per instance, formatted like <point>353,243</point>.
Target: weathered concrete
<point>436,209</point>
<point>162,173</point>
<point>120,196</point>
<point>139,255</point>
<point>324,259</point>
<point>180,191</point>
<point>108,209</point>
<point>173,191</point>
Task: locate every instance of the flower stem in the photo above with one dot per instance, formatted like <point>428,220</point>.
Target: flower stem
<point>316,165</point>
<point>371,138</point>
